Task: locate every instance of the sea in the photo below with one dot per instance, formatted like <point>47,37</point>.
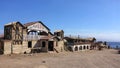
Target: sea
<point>114,44</point>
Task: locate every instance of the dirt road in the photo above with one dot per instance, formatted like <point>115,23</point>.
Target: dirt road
<point>82,59</point>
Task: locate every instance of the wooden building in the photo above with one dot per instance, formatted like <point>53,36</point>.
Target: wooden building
<point>35,37</point>
<point>14,32</point>
<point>31,37</point>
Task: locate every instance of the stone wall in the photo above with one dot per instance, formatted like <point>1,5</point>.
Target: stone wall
<point>7,47</point>
<point>25,47</point>
<point>44,49</point>
<point>16,49</point>
<point>60,46</point>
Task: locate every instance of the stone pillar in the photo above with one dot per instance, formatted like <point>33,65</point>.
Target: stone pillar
<point>85,47</point>
<point>89,47</point>
<point>82,47</point>
<point>78,47</point>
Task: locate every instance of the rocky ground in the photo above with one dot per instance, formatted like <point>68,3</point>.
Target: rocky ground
<point>82,59</point>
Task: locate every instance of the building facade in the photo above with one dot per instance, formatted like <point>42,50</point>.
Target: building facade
<point>79,44</point>
<point>35,37</point>
<point>32,37</point>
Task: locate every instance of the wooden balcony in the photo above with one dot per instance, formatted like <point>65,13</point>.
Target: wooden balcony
<point>34,37</point>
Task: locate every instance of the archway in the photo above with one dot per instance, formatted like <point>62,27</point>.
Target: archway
<point>80,48</point>
<point>84,47</point>
<point>76,48</point>
<point>87,47</point>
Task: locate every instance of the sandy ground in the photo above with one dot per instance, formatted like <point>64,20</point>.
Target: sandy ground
<point>82,59</point>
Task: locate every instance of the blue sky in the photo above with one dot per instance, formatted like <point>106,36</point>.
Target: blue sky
<point>87,18</point>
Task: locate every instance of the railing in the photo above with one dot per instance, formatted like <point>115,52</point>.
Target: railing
<point>32,37</point>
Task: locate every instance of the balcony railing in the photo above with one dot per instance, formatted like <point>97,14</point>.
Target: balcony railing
<point>32,37</point>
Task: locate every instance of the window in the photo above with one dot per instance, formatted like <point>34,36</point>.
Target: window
<point>7,33</point>
<point>43,44</point>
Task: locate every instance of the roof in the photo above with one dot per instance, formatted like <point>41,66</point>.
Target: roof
<point>51,33</point>
<point>55,37</point>
<point>73,38</point>
<point>68,38</point>
<point>31,23</point>
<point>90,39</point>
<point>11,23</point>
<point>59,31</point>
<point>45,37</point>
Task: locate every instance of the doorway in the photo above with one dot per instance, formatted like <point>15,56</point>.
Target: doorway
<point>50,46</point>
<point>29,44</point>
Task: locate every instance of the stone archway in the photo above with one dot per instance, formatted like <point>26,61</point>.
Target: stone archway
<point>76,48</point>
<point>87,47</point>
<point>84,47</point>
<point>80,47</point>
